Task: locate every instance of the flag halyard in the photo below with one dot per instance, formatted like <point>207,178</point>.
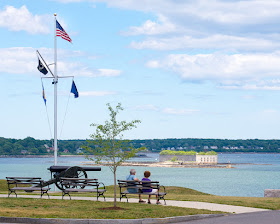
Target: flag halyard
<point>60,32</point>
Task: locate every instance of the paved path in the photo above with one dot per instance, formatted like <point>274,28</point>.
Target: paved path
<point>184,204</point>
<point>268,217</point>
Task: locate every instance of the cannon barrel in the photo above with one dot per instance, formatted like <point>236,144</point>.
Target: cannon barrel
<point>62,168</point>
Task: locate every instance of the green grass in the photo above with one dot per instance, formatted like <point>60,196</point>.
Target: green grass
<point>3,186</point>
<point>74,209</point>
<point>186,194</point>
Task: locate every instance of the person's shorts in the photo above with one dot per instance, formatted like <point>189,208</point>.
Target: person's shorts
<point>154,191</point>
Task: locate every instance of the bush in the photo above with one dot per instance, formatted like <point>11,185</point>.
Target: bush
<point>166,152</point>
<point>174,159</point>
<point>191,152</point>
<point>211,153</point>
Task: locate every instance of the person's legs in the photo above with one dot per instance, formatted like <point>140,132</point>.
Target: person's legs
<point>140,199</point>
<point>156,191</point>
<point>149,199</point>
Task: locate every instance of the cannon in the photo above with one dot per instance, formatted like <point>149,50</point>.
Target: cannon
<point>67,171</point>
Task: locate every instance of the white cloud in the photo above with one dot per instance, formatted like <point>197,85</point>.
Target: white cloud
<point>219,11</point>
<point>147,107</point>
<point>221,68</point>
<point>168,110</point>
<point>248,97</point>
<point>245,25</point>
<point>238,12</point>
<point>258,86</point>
<point>87,72</point>
<point>270,111</point>
<point>23,60</point>
<point>162,26</point>
<point>179,111</point>
<point>97,93</point>
<point>22,20</point>
<point>217,42</point>
<point>109,72</point>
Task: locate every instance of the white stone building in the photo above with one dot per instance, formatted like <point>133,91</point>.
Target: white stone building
<point>206,159</point>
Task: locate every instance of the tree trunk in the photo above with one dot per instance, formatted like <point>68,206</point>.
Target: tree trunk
<point>115,187</point>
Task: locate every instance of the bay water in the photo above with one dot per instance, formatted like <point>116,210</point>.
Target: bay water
<point>252,174</point>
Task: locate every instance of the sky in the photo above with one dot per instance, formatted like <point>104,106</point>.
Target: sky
<point>185,68</point>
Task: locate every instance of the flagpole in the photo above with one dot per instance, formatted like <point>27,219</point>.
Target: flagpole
<point>55,93</point>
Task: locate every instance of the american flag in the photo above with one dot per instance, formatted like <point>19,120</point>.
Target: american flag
<point>60,32</point>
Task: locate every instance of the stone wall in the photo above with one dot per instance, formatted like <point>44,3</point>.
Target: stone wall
<point>184,158</point>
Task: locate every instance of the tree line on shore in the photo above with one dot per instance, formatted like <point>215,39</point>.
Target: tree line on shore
<point>31,146</point>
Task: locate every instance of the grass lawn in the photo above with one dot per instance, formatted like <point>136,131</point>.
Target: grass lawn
<point>49,208</point>
<point>187,194</point>
<point>88,209</point>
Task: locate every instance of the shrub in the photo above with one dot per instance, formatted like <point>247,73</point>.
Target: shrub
<point>211,153</point>
<point>191,152</point>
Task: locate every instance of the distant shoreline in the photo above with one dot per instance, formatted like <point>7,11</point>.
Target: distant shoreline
<point>51,156</point>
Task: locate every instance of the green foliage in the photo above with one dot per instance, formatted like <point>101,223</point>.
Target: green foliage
<point>191,152</point>
<point>166,152</point>
<point>27,146</point>
<point>201,153</point>
<point>211,153</point>
<point>170,152</point>
<point>174,159</point>
<point>107,144</point>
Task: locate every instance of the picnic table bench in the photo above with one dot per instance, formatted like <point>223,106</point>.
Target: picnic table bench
<point>140,185</point>
<point>27,184</point>
<point>72,185</point>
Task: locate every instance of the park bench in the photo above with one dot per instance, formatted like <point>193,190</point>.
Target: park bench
<point>140,185</point>
<point>27,184</point>
<point>73,185</point>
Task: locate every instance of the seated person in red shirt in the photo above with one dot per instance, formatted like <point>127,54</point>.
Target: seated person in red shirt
<point>147,174</point>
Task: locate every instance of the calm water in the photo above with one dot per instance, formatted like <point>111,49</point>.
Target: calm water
<point>253,174</point>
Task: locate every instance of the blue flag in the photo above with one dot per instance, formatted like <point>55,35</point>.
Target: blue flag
<point>74,90</point>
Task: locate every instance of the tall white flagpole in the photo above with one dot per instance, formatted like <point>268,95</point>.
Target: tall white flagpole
<point>55,80</point>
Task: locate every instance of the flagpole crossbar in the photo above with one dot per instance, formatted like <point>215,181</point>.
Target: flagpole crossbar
<point>59,77</point>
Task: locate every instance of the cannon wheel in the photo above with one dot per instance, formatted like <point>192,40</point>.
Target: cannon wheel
<point>72,172</point>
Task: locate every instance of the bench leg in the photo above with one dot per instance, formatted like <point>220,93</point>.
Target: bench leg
<point>45,192</point>
<point>122,196</point>
<point>64,193</point>
<point>100,194</point>
<point>11,191</point>
<point>161,198</point>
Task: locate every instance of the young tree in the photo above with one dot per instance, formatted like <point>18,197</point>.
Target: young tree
<point>108,146</point>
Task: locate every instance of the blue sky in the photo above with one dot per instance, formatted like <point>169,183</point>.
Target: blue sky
<point>186,69</point>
